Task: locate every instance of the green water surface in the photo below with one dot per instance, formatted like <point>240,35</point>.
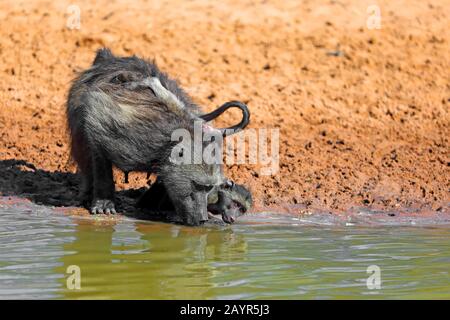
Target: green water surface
<point>254,259</point>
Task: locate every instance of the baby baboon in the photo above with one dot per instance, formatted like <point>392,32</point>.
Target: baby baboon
<point>229,200</point>
<point>115,118</point>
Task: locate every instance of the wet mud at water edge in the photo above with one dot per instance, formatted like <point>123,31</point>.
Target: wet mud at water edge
<point>363,113</point>
<point>61,190</point>
<point>22,183</point>
<point>263,256</point>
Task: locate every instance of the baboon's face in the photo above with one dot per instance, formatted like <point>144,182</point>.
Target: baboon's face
<point>231,209</point>
<point>188,187</point>
<point>231,201</point>
<point>228,206</point>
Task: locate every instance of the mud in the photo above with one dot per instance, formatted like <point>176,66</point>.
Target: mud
<point>363,114</point>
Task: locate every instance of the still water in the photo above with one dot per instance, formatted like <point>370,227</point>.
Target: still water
<point>258,258</point>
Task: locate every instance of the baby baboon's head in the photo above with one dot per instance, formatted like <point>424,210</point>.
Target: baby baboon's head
<point>230,200</point>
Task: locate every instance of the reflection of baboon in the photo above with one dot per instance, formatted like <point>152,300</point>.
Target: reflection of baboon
<point>149,260</point>
<point>91,252</point>
<point>116,119</point>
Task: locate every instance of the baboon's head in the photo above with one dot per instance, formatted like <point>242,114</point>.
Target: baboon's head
<point>190,178</point>
<point>188,187</point>
<point>231,201</point>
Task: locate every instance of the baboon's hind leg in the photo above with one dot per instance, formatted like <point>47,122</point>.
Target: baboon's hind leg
<point>86,186</point>
<point>82,156</point>
<point>103,186</point>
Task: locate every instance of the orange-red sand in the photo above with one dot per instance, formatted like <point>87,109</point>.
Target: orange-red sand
<point>367,127</point>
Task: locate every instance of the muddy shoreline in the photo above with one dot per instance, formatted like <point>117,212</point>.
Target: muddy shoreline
<point>307,218</point>
<point>365,129</point>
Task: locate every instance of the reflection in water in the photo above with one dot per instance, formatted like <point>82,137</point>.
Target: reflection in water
<point>145,260</point>
<point>263,258</point>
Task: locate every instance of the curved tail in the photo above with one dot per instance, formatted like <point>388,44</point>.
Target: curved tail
<point>231,104</point>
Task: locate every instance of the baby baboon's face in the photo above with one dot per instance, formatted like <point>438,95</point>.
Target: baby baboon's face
<point>231,201</point>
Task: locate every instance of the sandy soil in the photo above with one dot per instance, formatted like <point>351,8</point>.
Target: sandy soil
<point>363,114</point>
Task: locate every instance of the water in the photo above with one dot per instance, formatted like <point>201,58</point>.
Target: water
<point>259,258</point>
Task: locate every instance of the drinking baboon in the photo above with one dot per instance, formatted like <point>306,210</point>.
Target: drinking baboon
<point>229,200</point>
<point>115,118</point>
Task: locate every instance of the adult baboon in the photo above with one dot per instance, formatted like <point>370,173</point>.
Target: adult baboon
<point>115,118</point>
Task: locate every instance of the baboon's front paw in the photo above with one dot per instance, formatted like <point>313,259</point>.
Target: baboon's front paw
<point>103,206</point>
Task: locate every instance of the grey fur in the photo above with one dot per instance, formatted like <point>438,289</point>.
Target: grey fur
<point>229,200</point>
<point>113,121</point>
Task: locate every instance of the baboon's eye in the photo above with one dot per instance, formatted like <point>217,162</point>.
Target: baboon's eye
<point>207,188</point>
<point>118,79</point>
<point>202,187</point>
<point>122,77</point>
<point>242,209</point>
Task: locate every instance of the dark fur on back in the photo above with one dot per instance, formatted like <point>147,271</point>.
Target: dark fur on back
<point>143,112</point>
<point>113,123</point>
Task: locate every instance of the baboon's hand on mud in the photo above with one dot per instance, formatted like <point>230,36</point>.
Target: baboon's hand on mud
<point>101,206</point>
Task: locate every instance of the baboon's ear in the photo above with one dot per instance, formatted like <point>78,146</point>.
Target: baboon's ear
<point>103,55</point>
<point>123,77</point>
